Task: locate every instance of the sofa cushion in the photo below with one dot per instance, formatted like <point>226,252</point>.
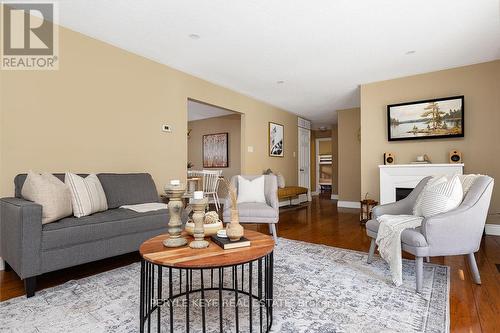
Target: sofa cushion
<point>256,209</point>
<point>128,189</point>
<point>111,223</point>
<point>412,237</point>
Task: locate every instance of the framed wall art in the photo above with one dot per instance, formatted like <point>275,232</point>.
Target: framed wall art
<point>276,139</point>
<point>216,150</point>
<point>428,119</point>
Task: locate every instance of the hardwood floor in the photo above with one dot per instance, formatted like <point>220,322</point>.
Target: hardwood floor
<point>473,308</point>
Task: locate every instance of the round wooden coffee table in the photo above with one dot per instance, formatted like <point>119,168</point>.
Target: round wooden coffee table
<point>250,271</point>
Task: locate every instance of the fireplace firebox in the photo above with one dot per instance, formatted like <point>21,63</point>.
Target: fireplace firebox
<point>402,192</point>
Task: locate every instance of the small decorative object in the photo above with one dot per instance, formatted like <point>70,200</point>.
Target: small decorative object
<point>174,192</point>
<point>211,217</point>
<point>199,206</point>
<point>212,224</point>
<point>234,230</point>
<point>434,118</point>
<point>215,150</point>
<point>422,159</point>
<point>366,209</point>
<point>276,139</point>
<point>190,165</point>
<point>221,233</point>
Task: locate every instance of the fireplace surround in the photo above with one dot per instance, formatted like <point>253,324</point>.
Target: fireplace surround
<point>406,176</point>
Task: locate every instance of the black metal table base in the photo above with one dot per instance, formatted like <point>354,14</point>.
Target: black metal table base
<point>251,282</point>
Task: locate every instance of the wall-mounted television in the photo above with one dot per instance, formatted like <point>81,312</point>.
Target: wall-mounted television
<point>427,119</point>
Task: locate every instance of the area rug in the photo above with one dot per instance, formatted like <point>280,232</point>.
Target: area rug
<point>316,289</point>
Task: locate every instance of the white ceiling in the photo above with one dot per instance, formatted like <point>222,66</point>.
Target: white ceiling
<point>199,111</point>
<point>322,49</point>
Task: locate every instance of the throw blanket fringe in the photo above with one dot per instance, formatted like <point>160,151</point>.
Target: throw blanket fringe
<point>389,241</point>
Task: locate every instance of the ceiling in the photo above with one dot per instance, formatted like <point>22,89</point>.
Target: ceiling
<point>322,50</point>
<point>199,111</point>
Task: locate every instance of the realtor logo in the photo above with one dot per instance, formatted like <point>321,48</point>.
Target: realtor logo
<point>29,36</point>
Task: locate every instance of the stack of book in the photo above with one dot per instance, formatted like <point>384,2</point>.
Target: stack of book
<point>227,244</point>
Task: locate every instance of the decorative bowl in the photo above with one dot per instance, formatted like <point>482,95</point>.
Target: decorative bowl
<point>209,229</point>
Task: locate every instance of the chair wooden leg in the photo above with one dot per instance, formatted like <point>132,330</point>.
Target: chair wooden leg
<point>473,268</point>
<point>371,252</point>
<point>419,272</point>
<point>272,231</point>
<point>30,286</point>
<point>216,202</point>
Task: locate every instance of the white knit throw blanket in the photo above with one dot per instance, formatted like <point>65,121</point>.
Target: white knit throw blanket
<point>146,207</point>
<point>389,241</point>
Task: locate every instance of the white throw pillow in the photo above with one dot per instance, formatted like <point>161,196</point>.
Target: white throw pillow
<point>49,192</point>
<point>87,194</point>
<point>467,181</point>
<point>251,190</point>
<point>440,194</point>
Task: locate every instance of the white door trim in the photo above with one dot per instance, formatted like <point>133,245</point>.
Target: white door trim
<point>299,129</point>
<point>318,188</point>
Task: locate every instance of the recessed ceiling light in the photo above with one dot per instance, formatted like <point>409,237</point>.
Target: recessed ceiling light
<point>280,82</point>
<point>194,36</point>
<point>410,52</point>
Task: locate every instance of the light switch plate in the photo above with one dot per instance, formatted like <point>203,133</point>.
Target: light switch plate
<point>250,149</point>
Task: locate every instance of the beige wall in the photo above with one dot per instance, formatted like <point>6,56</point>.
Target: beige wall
<point>349,151</point>
<point>325,147</point>
<point>103,110</point>
<point>230,124</point>
<point>480,84</point>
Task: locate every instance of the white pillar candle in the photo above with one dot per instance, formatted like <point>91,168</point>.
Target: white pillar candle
<point>175,182</point>
<point>198,195</point>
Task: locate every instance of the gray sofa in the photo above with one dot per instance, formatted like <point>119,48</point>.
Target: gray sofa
<point>31,249</point>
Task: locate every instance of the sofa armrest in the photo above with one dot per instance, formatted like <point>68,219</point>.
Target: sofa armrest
<point>401,207</point>
<point>21,235</point>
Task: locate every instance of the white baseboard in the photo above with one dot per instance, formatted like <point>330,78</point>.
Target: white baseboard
<point>315,193</point>
<point>2,266</point>
<point>348,204</point>
<point>334,197</point>
<point>492,229</point>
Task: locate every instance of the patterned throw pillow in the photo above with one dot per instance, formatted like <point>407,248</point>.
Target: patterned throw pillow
<point>440,194</point>
<point>87,194</point>
<point>49,192</point>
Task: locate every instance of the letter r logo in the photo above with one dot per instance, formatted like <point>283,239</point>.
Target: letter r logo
<point>28,29</point>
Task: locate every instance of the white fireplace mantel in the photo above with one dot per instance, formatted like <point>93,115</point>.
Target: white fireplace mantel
<point>409,175</point>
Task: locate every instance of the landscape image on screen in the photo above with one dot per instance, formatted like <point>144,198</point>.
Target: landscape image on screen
<point>427,119</point>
